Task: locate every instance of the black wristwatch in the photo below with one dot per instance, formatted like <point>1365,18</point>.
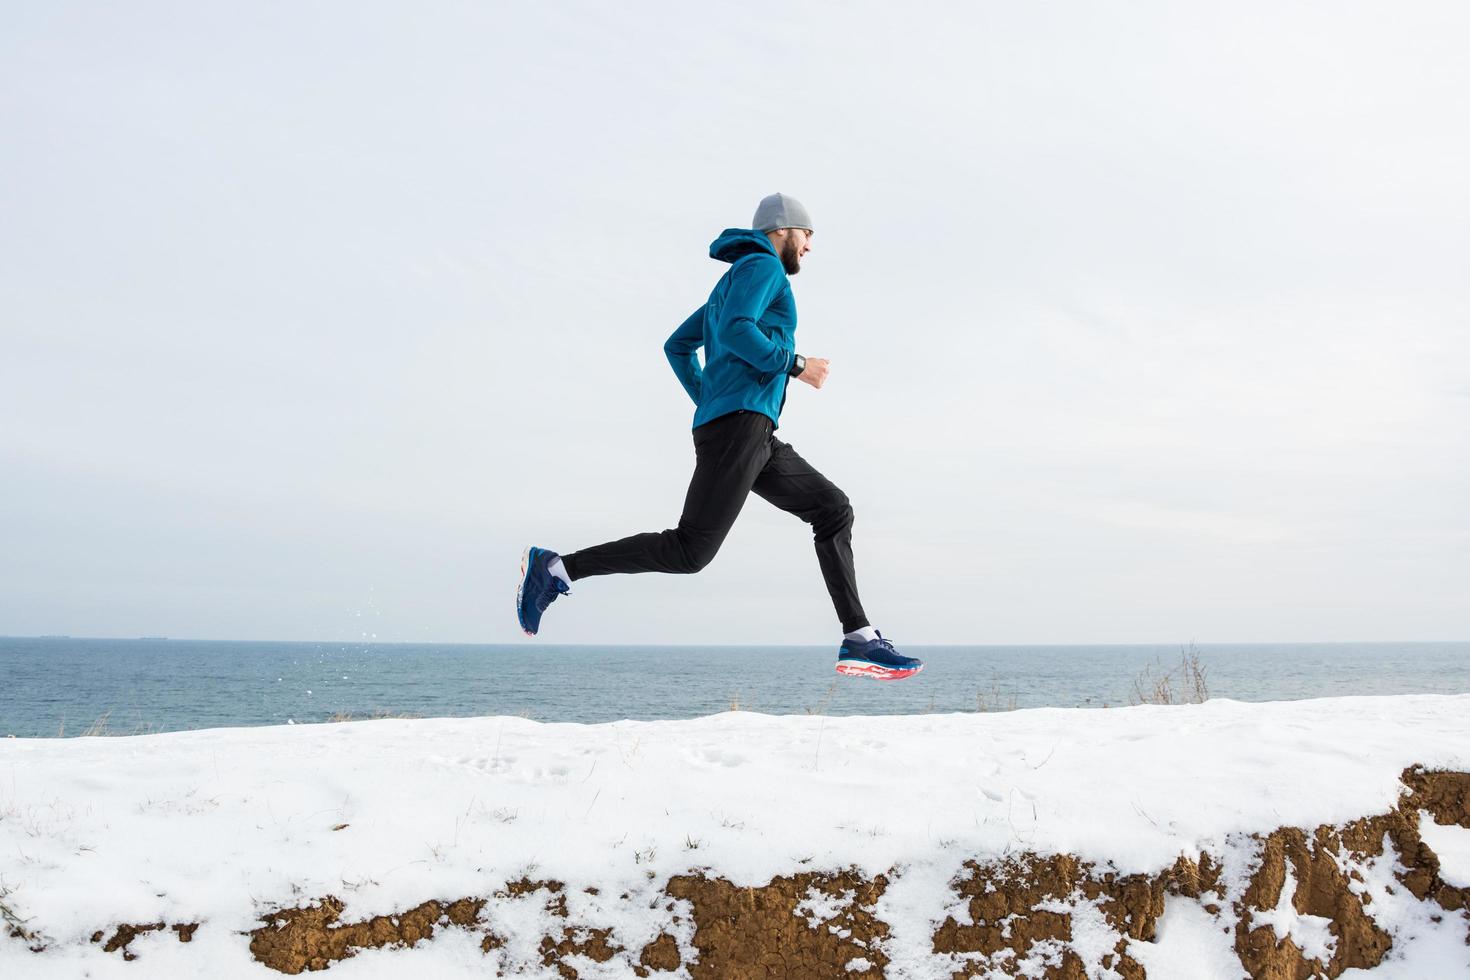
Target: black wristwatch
<point>798,365</point>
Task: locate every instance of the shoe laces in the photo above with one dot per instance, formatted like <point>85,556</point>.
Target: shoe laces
<point>556,587</point>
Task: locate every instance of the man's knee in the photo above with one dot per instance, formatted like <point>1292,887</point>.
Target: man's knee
<point>836,517</point>
<point>695,554</point>
<point>696,561</point>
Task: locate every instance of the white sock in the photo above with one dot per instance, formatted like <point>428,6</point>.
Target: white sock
<point>560,571</point>
<point>867,634</point>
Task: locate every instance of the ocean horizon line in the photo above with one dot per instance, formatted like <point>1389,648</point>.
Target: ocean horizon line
<point>664,644</point>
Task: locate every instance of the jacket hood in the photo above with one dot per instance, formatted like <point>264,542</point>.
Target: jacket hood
<point>735,243</point>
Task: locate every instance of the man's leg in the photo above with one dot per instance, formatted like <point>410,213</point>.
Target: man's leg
<point>794,485</point>
<point>729,454</point>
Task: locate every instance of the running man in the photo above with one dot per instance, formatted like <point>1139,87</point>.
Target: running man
<point>747,329</point>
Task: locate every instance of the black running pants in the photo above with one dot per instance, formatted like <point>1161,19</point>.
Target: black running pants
<point>733,455</point>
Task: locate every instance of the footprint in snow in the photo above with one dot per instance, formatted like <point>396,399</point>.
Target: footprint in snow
<point>720,757</point>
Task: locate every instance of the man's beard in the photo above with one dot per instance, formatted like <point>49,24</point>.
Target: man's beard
<point>790,257</point>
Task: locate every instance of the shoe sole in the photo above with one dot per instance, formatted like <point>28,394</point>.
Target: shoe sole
<point>520,590</point>
<point>877,672</point>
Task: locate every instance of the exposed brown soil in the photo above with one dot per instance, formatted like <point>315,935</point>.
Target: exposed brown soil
<point>125,934</point>
<point>1007,922</point>
<point>661,954</point>
<point>1446,795</point>
<point>1020,911</point>
<point>15,929</point>
<point>310,938</point>
<point>595,947</point>
<point>757,933</point>
<point>1321,889</point>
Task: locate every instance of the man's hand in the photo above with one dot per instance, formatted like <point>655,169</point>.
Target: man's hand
<point>815,373</point>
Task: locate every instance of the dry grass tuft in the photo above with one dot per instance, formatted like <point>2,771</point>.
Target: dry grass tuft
<point>1185,683</point>
<point>375,715</point>
<point>821,706</point>
<point>994,699</point>
<point>102,727</point>
<point>15,925</point>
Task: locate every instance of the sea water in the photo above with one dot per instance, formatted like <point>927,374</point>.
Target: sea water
<point>57,686</point>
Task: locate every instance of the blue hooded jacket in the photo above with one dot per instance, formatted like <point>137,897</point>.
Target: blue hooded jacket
<point>747,329</point>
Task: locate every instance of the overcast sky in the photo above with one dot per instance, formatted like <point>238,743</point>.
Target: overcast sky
<point>1148,322</point>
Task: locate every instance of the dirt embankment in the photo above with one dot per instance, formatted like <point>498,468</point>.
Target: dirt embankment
<point>1005,915</point>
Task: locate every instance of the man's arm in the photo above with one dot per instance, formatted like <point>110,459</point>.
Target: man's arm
<point>752,288</point>
<point>680,350</point>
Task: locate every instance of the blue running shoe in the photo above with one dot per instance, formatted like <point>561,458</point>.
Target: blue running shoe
<point>876,659</point>
<point>538,589</point>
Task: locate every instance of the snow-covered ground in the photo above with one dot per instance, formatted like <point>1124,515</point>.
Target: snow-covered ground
<point>223,827</point>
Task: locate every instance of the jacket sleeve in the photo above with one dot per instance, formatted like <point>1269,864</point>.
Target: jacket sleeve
<point>680,350</point>
<point>753,286</point>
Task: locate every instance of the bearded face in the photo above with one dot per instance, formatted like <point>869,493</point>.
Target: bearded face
<point>791,245</point>
<point>791,255</point>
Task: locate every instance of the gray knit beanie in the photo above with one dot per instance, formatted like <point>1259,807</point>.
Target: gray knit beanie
<point>780,211</point>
